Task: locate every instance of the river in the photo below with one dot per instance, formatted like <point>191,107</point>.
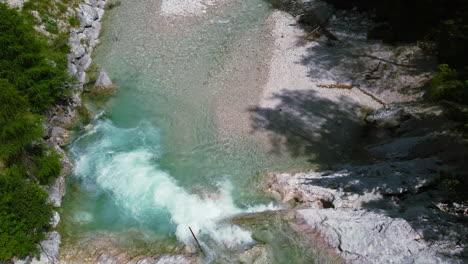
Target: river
<point>174,147</point>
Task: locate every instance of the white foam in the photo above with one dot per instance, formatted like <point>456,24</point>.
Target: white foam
<point>129,171</point>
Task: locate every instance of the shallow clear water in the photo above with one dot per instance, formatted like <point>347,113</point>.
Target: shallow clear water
<point>174,147</point>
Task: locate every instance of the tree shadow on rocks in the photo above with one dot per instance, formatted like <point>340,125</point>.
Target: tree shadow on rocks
<point>368,64</point>
<point>302,123</point>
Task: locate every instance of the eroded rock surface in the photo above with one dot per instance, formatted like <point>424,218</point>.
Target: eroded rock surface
<point>367,237</point>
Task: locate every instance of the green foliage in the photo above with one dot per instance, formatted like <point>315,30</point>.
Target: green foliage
<point>32,77</point>
<point>18,127</point>
<point>73,21</point>
<point>113,5</point>
<point>455,184</point>
<point>449,84</point>
<point>22,62</point>
<point>48,167</point>
<point>50,25</point>
<point>24,215</point>
<point>442,25</point>
<point>443,22</point>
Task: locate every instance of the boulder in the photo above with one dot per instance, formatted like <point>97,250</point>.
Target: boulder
<point>87,15</point>
<point>367,237</point>
<point>103,86</point>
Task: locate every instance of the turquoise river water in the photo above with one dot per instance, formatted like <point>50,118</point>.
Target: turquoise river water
<point>174,147</point>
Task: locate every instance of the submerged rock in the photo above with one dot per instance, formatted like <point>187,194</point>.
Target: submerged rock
<point>256,255</point>
<point>163,259</point>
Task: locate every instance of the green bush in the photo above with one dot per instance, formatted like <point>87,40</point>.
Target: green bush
<point>32,77</point>
<point>455,184</point>
<point>39,80</point>
<point>18,127</point>
<point>73,21</point>
<point>443,22</point>
<point>48,167</point>
<point>449,84</point>
<point>24,215</point>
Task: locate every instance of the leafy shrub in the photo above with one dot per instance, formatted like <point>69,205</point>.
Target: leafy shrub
<point>18,127</point>
<point>455,184</point>
<point>73,21</point>
<point>449,84</point>
<point>23,64</point>
<point>443,22</point>
<point>48,167</point>
<point>24,215</point>
<point>50,25</point>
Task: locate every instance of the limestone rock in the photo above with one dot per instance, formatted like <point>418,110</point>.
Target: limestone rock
<point>103,85</point>
<point>59,136</point>
<point>174,259</point>
<point>367,237</point>
<point>78,51</point>
<point>56,191</point>
<point>55,220</point>
<point>87,15</point>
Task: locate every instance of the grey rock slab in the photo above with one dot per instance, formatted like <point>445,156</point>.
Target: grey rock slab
<point>367,237</point>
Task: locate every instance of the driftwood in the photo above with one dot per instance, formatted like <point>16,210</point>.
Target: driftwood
<point>349,87</point>
<point>196,240</point>
<point>336,86</point>
<point>319,29</point>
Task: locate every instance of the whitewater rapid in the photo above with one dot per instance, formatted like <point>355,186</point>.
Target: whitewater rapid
<point>123,162</point>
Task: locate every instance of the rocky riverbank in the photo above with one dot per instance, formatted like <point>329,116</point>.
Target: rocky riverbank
<point>383,202</point>
<point>60,118</point>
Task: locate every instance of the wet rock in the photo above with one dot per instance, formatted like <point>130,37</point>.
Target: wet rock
<point>258,254</point>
